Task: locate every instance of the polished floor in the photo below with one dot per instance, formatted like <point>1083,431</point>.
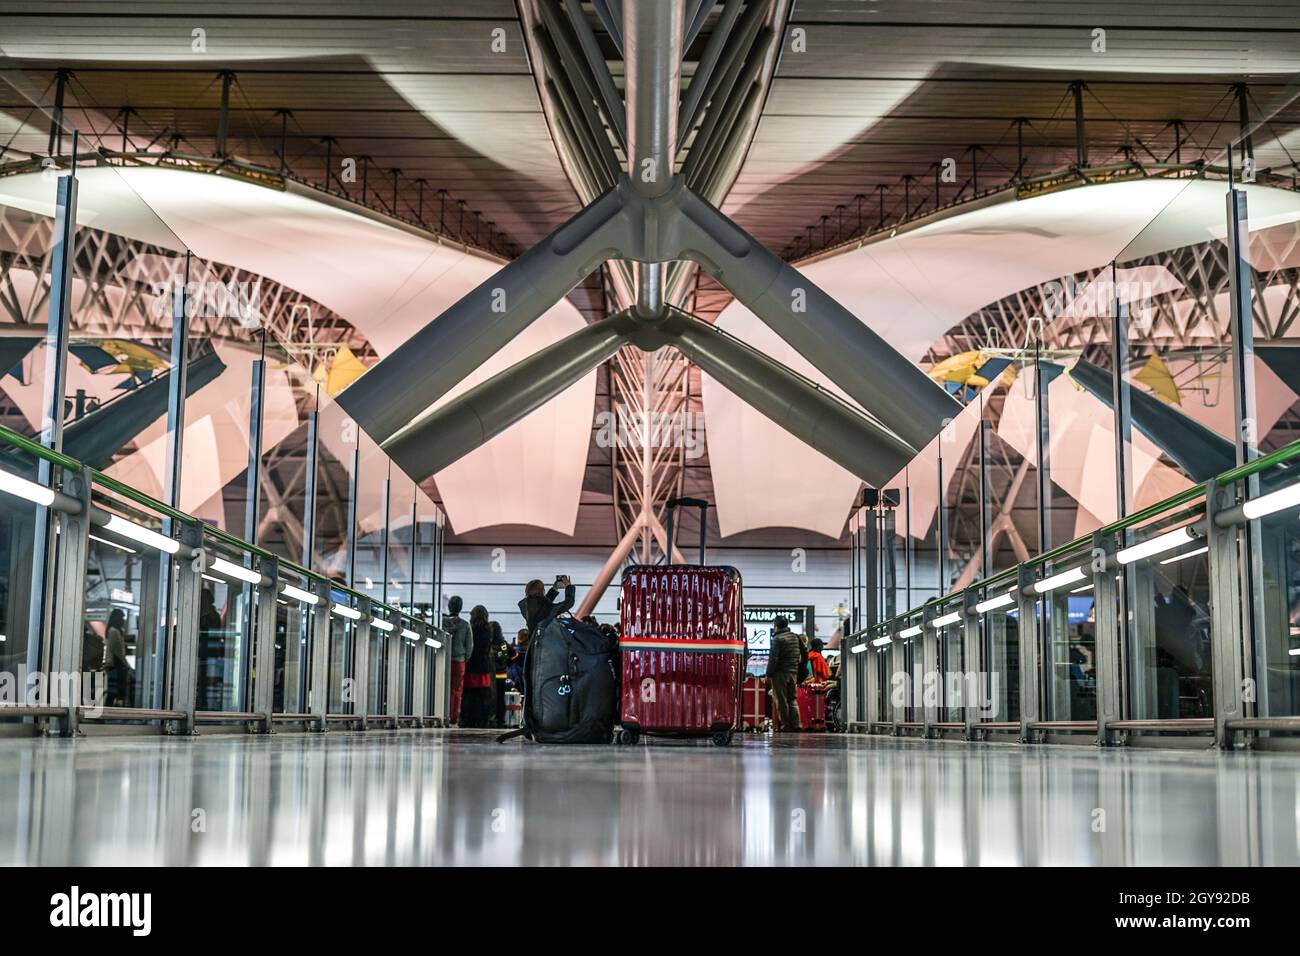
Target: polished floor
<point>457,798</point>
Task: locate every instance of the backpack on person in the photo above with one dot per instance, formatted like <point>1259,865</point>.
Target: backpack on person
<point>570,695</point>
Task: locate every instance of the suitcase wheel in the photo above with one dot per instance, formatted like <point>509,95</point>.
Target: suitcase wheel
<point>721,738</point>
<point>628,737</point>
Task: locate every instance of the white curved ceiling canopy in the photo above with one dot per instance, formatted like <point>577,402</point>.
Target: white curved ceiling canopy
<point>386,281</point>
<point>913,287</point>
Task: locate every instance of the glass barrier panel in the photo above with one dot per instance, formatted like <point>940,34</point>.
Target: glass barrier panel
<point>23,532</point>
<point>950,682</point>
<point>914,686</point>
<point>376,673</point>
<point>293,633</point>
<point>884,710</point>
<point>1070,651</point>
<point>225,644</point>
<point>1277,627</point>
<point>1168,636</point>
<point>129,588</point>
<point>406,671</point>
<point>1000,635</point>
<point>342,638</point>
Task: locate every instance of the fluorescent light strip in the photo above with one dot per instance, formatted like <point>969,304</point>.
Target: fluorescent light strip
<point>1157,545</point>
<point>230,569</point>
<point>22,488</point>
<point>432,643</point>
<point>1274,501</point>
<point>911,631</point>
<point>409,634</point>
<point>298,594</point>
<point>992,604</point>
<point>380,623</point>
<point>112,544</point>
<point>129,529</point>
<point>953,618</point>
<point>1186,554</point>
<point>208,577</point>
<point>859,648</point>
<point>1072,576</point>
<point>342,610</point>
<point>1086,587</point>
<point>878,642</point>
<point>1294,652</point>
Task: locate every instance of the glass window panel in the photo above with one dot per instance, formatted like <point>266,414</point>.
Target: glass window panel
<point>372,517</point>
<point>337,436</point>
<point>290,398</point>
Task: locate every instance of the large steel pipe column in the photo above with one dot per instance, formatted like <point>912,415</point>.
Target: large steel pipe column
<point>489,408</point>
<point>652,48</point>
<point>822,420</point>
<point>828,335</point>
<point>434,360</point>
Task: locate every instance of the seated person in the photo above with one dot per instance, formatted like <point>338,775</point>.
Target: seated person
<point>515,669</point>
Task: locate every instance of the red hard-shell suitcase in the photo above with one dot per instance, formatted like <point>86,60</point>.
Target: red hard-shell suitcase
<point>682,645</point>
<point>812,706</point>
<point>754,691</point>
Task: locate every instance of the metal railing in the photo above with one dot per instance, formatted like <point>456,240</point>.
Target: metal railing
<point>413,688</point>
<point>1223,518</point>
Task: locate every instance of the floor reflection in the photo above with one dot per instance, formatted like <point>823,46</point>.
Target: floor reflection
<point>447,798</point>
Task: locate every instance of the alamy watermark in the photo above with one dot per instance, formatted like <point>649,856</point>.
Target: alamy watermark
<point>636,429</point>
<point>956,690</point>
<point>239,300</point>
<point>25,688</point>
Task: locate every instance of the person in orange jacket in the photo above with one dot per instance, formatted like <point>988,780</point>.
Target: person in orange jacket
<point>821,671</point>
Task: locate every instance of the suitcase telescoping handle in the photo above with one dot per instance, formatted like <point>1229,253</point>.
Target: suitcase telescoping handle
<point>704,523</point>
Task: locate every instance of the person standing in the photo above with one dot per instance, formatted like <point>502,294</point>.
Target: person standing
<point>500,661</point>
<point>782,671</point>
<point>462,642</point>
<point>821,671</point>
<point>476,705</point>
<point>115,662</point>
